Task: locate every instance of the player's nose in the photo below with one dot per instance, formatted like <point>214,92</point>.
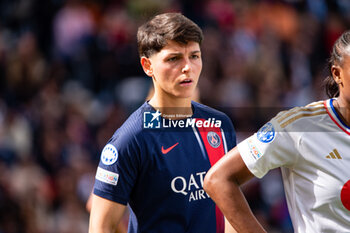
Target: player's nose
<point>186,66</point>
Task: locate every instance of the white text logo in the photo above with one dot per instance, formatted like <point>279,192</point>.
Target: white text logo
<point>191,187</point>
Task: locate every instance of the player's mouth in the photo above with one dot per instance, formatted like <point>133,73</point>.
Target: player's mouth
<point>186,82</point>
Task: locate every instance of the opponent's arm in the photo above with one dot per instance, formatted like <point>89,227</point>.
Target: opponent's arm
<point>222,184</point>
<point>105,215</point>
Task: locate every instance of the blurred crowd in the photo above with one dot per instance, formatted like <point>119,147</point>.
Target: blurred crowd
<point>70,75</point>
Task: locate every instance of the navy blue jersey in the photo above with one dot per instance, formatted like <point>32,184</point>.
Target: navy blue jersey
<point>157,167</point>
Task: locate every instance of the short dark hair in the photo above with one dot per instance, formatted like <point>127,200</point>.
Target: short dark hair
<point>336,58</point>
<point>154,34</point>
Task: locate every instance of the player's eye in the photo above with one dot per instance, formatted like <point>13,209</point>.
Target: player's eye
<point>195,56</point>
<point>173,58</point>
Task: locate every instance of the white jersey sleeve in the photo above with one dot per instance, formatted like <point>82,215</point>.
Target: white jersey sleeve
<point>311,145</point>
<point>269,148</point>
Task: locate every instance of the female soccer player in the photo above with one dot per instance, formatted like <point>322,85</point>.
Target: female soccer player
<point>156,161</point>
<point>311,145</point>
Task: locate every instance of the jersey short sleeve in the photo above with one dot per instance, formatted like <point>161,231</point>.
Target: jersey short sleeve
<point>269,148</point>
<point>118,168</point>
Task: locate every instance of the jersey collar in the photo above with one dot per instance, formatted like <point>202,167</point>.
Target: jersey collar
<point>335,116</point>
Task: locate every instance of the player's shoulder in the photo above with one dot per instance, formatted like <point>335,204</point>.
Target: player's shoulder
<point>302,115</point>
<point>131,130</point>
<point>206,111</point>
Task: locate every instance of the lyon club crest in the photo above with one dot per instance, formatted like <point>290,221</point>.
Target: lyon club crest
<point>214,139</point>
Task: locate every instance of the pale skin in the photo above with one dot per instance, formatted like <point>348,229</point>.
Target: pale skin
<point>105,215</point>
<point>223,180</point>
<point>175,72</point>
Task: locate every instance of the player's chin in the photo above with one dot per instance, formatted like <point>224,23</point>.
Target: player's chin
<point>186,93</point>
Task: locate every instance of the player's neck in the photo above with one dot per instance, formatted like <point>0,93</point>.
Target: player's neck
<point>343,109</point>
<point>170,106</point>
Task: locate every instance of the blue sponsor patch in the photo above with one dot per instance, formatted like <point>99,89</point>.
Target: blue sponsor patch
<point>109,154</point>
<point>266,133</point>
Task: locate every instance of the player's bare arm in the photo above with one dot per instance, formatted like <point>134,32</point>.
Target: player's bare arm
<point>105,215</point>
<point>224,178</point>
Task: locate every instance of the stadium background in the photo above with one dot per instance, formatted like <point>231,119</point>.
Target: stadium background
<point>70,75</point>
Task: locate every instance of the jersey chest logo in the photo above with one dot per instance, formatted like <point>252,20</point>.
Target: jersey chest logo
<point>166,151</point>
<point>213,139</point>
<point>334,155</point>
<point>345,195</point>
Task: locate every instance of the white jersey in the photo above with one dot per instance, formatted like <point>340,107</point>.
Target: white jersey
<point>312,146</point>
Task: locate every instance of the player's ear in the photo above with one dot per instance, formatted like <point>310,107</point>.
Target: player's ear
<point>147,66</point>
<point>337,73</point>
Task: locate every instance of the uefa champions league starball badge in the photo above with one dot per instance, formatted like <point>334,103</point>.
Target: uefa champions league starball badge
<point>266,133</point>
